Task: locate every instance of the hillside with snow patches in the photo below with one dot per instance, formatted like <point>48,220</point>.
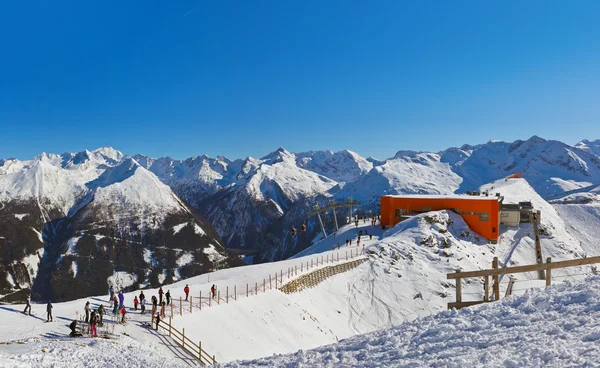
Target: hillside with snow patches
<point>72,223</point>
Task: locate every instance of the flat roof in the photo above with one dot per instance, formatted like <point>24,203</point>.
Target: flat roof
<point>446,196</point>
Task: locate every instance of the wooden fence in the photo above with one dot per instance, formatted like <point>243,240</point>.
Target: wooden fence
<point>185,342</point>
<point>274,281</point>
<point>495,273</point>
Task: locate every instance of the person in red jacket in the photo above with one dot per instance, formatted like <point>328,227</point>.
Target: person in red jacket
<point>135,302</point>
<point>186,290</point>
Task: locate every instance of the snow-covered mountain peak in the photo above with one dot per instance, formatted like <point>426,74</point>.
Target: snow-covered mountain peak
<point>343,166</point>
<point>109,154</point>
<point>279,155</point>
<point>589,146</point>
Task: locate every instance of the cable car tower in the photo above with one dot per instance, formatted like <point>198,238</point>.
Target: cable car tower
<point>332,206</point>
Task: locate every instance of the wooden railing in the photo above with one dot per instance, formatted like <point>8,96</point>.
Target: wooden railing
<point>194,304</point>
<point>185,342</point>
<point>495,273</point>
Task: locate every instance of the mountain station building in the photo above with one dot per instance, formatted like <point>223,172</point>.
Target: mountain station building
<point>481,213</point>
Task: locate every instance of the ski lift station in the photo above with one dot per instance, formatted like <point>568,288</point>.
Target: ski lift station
<point>481,213</point>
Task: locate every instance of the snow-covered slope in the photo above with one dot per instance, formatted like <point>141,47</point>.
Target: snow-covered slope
<point>551,167</point>
<point>343,166</point>
<point>589,146</point>
<point>195,178</point>
<point>415,173</point>
<point>556,327</point>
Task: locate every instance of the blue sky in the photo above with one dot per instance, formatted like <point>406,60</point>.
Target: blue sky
<point>239,78</point>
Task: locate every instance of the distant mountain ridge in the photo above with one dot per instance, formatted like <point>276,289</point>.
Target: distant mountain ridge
<point>254,202</point>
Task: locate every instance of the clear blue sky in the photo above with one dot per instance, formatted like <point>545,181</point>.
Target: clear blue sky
<point>239,78</point>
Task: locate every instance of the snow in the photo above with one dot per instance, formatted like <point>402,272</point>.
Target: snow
<point>198,230</point>
<point>556,327</point>
<point>74,268</point>
<point>121,279</point>
<point>177,228</point>
<point>184,259</point>
<point>212,254</point>
<point>20,216</point>
<point>32,262</point>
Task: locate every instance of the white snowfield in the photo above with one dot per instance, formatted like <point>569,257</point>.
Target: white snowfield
<point>556,327</point>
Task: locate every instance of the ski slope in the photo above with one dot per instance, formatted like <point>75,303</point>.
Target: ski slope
<point>556,327</point>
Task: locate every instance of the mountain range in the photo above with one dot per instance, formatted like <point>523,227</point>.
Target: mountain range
<point>165,215</point>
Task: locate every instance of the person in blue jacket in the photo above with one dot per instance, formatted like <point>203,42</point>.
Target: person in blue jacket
<point>121,298</point>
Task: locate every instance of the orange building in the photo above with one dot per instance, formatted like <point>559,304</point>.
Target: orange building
<point>482,214</point>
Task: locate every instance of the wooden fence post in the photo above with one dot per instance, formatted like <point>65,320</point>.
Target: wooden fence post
<point>170,323</point>
<point>219,297</point>
<point>301,266</point>
<point>264,285</point>
<point>191,304</point>
<point>276,279</point>
<point>180,306</point>
<point>183,337</point>
<point>200,299</point>
<point>496,280</point>
<point>227,295</point>
<point>458,289</point>
<point>256,288</point>
<point>171,307</point>
<point>270,285</point>
<point>327,259</point>
<point>296,270</point>
<point>281,281</point>
<point>214,360</point>
<point>234,292</point>
<point>246,290</point>
<point>200,351</point>
<point>311,263</point>
<point>548,272</point>
<point>210,298</point>
<point>486,289</point>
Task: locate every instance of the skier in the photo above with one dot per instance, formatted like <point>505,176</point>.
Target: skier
<point>143,306</point>
<point>370,236</point>
<point>157,320</point>
<point>213,290</point>
<point>142,296</point>
<point>121,298</point>
<point>160,295</point>
<point>123,312</point>
<point>101,315</point>
<point>73,327</point>
<point>49,311</point>
<point>115,307</point>
<point>346,242</point>
<point>93,324</point>
<point>87,312</point>
<point>28,305</point>
<point>154,302</point>
<point>112,292</point>
<point>168,296</point>
<point>186,290</point>
<point>135,302</point>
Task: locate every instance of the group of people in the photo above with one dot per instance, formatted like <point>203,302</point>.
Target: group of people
<point>94,317</point>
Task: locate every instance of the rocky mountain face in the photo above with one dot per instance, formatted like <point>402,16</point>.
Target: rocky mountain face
<point>72,224</point>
